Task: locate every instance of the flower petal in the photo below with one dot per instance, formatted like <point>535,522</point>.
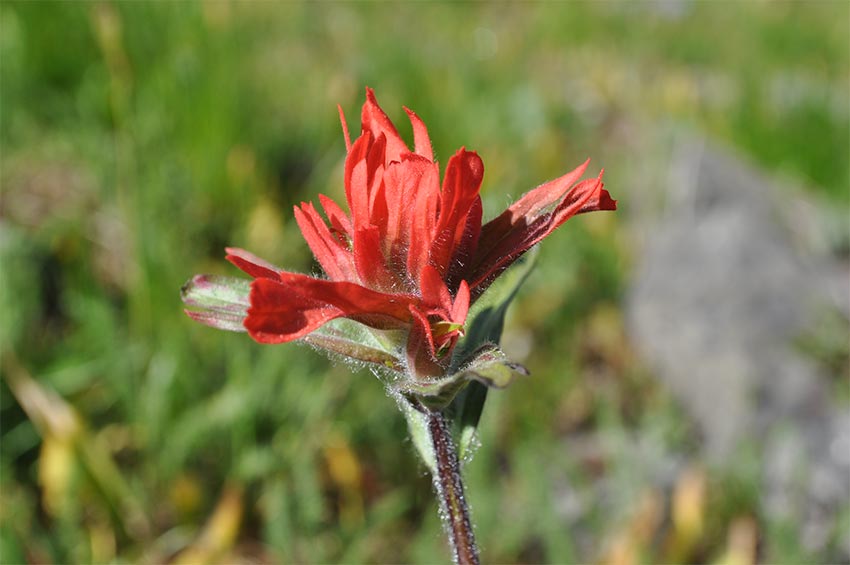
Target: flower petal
<point>378,212</point>
<point>435,293</point>
<point>296,305</point>
<point>344,128</point>
<point>370,261</point>
<point>412,192</point>
<point>421,140</point>
<point>465,249</point>
<point>251,264</point>
<point>357,189</point>
<point>504,246</point>
<point>545,195</point>
<point>374,120</point>
<point>421,351</point>
<point>355,170</point>
<point>460,307</point>
<point>422,222</point>
<point>602,201</point>
<point>461,185</point>
<point>335,259</point>
<point>340,222</point>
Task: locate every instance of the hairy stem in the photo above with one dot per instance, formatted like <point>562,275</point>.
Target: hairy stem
<point>449,486</point>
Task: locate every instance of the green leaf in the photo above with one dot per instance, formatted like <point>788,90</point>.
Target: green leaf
<point>330,340</point>
<point>435,393</point>
<point>489,366</point>
<point>486,327</point>
<point>468,406</point>
<point>492,368</point>
<point>217,293</point>
<point>222,302</point>
<point>219,320</point>
<point>488,313</point>
<point>358,342</point>
<point>417,423</point>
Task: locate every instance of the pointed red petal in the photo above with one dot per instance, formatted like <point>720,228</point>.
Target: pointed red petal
<point>545,195</point>
<point>525,211</point>
<point>421,140</point>
<point>466,247</point>
<point>378,211</point>
<point>279,314</point>
<point>296,305</point>
<point>410,183</point>
<point>335,260</point>
<point>251,264</point>
<point>435,293</point>
<point>339,219</point>
<point>460,308</point>
<point>369,259</point>
<point>422,221</point>
<point>365,178</point>
<point>602,201</point>
<point>421,350</point>
<point>344,129</point>
<point>376,159</point>
<point>355,184</point>
<point>528,231</point>
<point>376,121</point>
<point>358,200</point>
<point>598,199</point>
<point>461,185</point>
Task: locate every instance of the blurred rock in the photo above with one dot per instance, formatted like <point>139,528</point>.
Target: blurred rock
<point>729,277</point>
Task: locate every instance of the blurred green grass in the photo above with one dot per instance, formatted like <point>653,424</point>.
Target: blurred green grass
<point>138,139</point>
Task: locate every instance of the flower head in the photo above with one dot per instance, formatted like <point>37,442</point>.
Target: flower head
<point>410,255</point>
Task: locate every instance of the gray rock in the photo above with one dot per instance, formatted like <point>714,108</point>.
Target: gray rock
<point>724,285</point>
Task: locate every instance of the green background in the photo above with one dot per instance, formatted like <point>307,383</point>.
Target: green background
<point>140,138</point>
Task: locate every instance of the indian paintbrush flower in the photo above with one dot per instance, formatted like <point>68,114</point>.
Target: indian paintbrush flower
<point>411,255</point>
<point>402,269</point>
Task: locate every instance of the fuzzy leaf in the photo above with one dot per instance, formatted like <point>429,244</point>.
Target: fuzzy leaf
<point>417,423</point>
<point>335,342</point>
<point>218,320</point>
<point>467,407</point>
<point>217,293</point>
<point>222,302</point>
<point>492,368</point>
<point>358,342</point>
<point>486,327</point>
<point>435,393</point>
<point>489,367</point>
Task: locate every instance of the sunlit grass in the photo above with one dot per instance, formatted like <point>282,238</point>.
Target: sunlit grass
<point>138,139</point>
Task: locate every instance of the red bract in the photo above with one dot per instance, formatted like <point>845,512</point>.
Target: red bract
<point>412,254</point>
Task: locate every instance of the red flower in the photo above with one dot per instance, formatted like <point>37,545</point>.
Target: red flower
<point>412,255</point>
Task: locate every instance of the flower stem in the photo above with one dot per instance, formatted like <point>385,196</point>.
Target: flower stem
<point>449,486</point>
